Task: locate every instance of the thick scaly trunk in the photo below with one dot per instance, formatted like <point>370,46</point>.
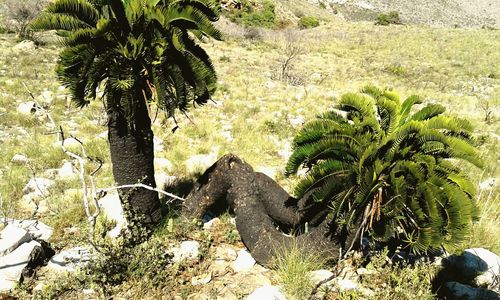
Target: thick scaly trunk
<point>132,157</point>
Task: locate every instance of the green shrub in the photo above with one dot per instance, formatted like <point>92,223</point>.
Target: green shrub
<point>254,14</point>
<point>390,172</point>
<point>308,22</point>
<point>390,18</point>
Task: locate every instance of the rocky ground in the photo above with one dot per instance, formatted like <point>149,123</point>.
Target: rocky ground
<point>461,13</point>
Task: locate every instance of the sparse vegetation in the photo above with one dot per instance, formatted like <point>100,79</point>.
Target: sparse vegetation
<point>254,14</point>
<point>347,55</point>
<point>16,15</point>
<point>389,18</point>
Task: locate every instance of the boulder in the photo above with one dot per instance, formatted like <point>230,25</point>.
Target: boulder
<point>70,260</point>
<point>456,290</point>
<point>11,237</point>
<point>13,264</point>
<point>267,292</point>
<point>244,262</point>
<point>35,228</point>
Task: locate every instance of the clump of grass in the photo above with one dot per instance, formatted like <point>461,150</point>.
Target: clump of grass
<point>292,267</point>
<point>307,22</point>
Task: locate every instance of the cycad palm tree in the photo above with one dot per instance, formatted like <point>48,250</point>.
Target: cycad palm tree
<point>388,171</point>
<point>136,51</point>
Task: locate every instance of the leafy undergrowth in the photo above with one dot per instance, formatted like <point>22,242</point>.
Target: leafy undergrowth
<point>255,117</point>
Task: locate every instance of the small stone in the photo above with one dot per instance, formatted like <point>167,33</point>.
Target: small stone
<point>225,252</point>
<point>200,162</point>
<point>158,144</point>
<point>270,172</point>
<point>488,184</point>
<point>11,237</point>
<point>70,260</point>
<point>244,262</point>
<point>163,180</point>
<point>19,159</point>
<point>227,135</point>
<point>270,84</point>
<point>267,292</point>
<point>162,164</point>
<point>201,279</point>
<point>211,224</point>
<point>27,108</point>
<point>320,275</point>
<point>186,250</point>
<point>112,208</point>
<point>346,284</point>
<point>296,121</point>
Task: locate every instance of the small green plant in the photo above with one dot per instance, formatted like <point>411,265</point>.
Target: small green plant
<point>307,22</point>
<point>292,269</point>
<point>390,18</point>
<point>388,171</point>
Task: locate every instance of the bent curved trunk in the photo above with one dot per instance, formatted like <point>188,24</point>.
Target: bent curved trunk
<point>263,211</point>
<point>132,157</point>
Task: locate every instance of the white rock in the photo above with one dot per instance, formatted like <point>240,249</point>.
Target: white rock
<point>35,228</point>
<point>163,180</point>
<point>244,262</point>
<point>162,164</point>
<point>19,159</point>
<point>67,171</point>
<point>267,292</point>
<point>201,279</point>
<point>27,108</point>
<point>210,224</point>
<point>186,250</point>
<point>13,264</point>
<point>71,144</point>
<point>226,134</point>
<point>70,260</point>
<point>200,162</point>
<point>488,184</point>
<point>346,284</point>
<point>296,121</point>
<point>103,135</point>
<point>39,186</point>
<point>158,144</point>
<point>320,275</point>
<point>112,208</point>
<point>225,252</point>
<point>270,84</point>
<point>11,237</point>
<point>286,151</point>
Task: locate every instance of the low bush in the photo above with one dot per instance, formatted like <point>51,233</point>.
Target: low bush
<point>307,22</point>
<point>390,18</point>
<point>253,14</point>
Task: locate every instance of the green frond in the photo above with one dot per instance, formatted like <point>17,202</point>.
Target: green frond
<point>430,111</point>
<point>79,9</point>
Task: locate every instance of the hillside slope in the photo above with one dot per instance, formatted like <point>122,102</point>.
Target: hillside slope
<point>463,13</point>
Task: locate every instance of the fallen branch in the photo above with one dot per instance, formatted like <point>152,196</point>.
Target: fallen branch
<point>141,185</point>
<point>335,274</point>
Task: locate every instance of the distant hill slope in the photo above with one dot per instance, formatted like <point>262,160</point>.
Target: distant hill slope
<point>463,13</point>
